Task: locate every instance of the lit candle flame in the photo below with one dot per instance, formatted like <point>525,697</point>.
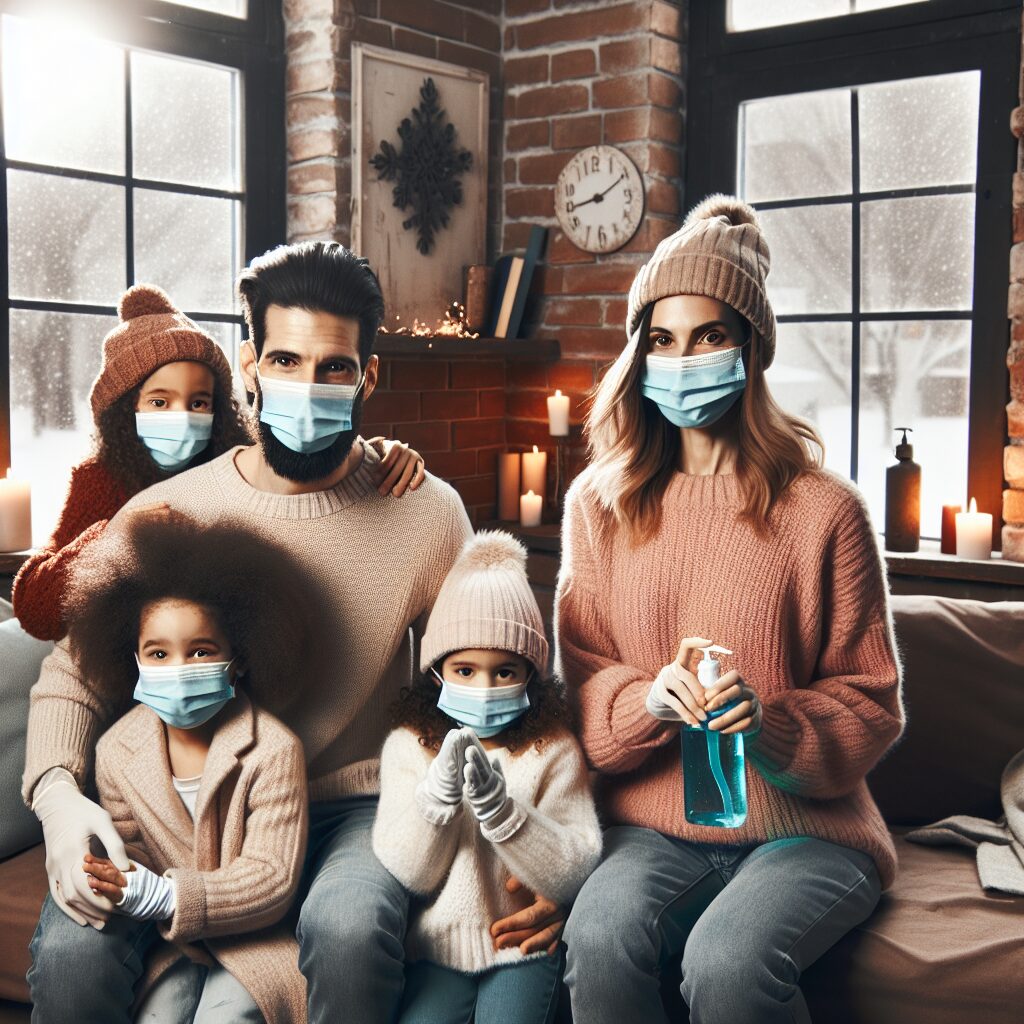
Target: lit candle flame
<point>974,505</point>
<point>536,450</point>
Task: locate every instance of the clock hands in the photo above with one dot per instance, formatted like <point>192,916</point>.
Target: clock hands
<point>597,197</point>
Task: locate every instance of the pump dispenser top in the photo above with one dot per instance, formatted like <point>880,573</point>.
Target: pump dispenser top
<point>709,669</point>
<point>904,450</point>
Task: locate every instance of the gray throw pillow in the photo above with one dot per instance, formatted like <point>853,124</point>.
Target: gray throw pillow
<point>20,658</point>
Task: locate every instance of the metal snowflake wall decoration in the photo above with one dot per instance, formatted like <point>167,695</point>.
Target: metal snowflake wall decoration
<point>426,168</point>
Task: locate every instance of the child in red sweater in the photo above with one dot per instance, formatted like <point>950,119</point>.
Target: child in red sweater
<point>162,403</point>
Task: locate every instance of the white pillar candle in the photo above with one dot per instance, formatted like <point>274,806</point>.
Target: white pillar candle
<point>974,533</point>
<point>15,514</point>
<point>509,468</point>
<point>529,509</point>
<point>558,414</point>
<point>535,472</point>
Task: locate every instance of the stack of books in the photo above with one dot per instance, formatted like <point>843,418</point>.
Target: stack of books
<point>510,286</point>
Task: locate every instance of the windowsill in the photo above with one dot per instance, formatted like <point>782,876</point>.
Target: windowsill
<point>11,561</point>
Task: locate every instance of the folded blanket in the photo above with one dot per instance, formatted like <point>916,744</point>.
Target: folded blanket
<point>1000,844</point>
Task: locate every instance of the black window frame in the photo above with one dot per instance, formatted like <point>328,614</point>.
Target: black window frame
<point>254,46</point>
<point>915,40</point>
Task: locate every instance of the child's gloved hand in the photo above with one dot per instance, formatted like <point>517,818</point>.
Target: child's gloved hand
<point>444,776</point>
<point>485,784</point>
<point>139,894</point>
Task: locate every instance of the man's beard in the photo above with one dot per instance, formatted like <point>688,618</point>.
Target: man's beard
<point>304,468</point>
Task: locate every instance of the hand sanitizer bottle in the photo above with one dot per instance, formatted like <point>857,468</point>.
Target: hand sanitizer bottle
<point>714,769</point>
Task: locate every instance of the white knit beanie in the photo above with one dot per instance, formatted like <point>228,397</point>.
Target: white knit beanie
<point>718,252</point>
<point>486,603</point>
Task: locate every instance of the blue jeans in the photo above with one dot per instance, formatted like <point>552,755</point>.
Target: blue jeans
<point>747,922</point>
<point>518,993</point>
<point>351,932</point>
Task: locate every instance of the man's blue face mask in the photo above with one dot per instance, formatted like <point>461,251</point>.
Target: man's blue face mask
<point>695,391</point>
<point>306,417</point>
<point>174,438</point>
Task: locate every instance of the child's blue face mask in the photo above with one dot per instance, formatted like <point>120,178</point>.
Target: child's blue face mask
<point>185,695</point>
<point>486,710</point>
<point>174,438</point>
<point>695,391</point>
<point>305,417</point>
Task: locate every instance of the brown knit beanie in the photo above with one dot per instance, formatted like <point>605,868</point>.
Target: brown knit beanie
<point>152,332</point>
<point>718,252</point>
<point>486,603</point>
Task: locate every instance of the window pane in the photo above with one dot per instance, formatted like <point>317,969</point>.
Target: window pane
<point>796,146</point>
<point>236,8</point>
<point>744,15</point>
<point>918,132</point>
<point>189,246</point>
<point>185,122</point>
<point>54,360</point>
<point>67,238</point>
<point>915,374</point>
<point>918,253</point>
<point>63,97</point>
<point>810,265</point>
<point>811,378</point>
<point>228,336</point>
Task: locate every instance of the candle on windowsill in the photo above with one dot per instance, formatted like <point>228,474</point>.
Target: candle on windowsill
<point>535,472</point>
<point>15,514</point>
<point>530,505</point>
<point>948,543</point>
<point>558,414</point>
<point>509,469</point>
<point>974,533</point>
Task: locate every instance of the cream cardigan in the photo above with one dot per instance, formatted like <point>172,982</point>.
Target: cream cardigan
<point>550,842</point>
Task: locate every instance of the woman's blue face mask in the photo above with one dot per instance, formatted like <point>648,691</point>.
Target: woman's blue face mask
<point>695,391</point>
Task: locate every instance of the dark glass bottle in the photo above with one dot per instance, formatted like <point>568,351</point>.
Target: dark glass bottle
<point>903,499</point>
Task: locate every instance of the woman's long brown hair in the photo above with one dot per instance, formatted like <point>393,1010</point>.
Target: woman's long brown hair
<point>635,450</point>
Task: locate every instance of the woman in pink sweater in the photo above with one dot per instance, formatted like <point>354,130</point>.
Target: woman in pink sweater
<point>705,518</point>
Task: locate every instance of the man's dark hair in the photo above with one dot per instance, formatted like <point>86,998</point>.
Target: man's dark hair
<point>317,276</point>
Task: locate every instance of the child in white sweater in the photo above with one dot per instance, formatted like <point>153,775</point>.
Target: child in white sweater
<point>481,782</point>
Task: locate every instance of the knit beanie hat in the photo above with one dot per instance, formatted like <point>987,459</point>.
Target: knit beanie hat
<point>718,252</point>
<point>486,603</point>
<point>152,332</point>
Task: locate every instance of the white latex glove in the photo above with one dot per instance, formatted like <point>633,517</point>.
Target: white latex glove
<point>147,896</point>
<point>69,821</point>
<point>444,776</point>
<point>485,784</point>
<point>676,695</point>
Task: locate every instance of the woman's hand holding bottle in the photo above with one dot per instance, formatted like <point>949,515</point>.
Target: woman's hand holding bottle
<point>676,695</point>
<point>745,716</point>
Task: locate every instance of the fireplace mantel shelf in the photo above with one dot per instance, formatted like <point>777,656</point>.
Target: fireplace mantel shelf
<point>445,347</point>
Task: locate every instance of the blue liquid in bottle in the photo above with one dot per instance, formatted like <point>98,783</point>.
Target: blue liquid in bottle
<point>714,767</point>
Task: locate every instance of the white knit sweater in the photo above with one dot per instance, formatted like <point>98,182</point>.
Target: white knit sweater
<point>458,868</point>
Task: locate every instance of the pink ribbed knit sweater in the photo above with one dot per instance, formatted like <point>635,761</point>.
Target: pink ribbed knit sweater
<point>806,612</point>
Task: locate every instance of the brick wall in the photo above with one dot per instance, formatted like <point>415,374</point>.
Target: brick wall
<point>1013,455</point>
<point>578,75</point>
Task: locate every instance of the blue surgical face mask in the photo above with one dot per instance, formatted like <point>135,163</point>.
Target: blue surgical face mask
<point>306,417</point>
<point>486,710</point>
<point>174,438</point>
<point>185,695</point>
<point>695,391</point>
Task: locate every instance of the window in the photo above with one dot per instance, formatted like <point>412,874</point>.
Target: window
<point>875,151</point>
<point>745,15</point>
<point>127,159</point>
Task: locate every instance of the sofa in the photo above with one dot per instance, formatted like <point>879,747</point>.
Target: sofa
<point>938,950</point>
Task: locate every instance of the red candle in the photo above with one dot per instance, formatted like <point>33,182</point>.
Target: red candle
<point>948,544</point>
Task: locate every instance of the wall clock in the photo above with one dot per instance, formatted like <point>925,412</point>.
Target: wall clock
<point>599,199</point>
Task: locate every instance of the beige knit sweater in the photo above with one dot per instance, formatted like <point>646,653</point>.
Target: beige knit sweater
<point>804,608</point>
<point>383,559</point>
<point>550,842</point>
<point>237,866</point>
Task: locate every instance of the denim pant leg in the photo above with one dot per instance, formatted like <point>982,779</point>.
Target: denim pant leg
<point>520,993</point>
<point>437,995</point>
<point>787,903</point>
<point>175,996</point>
<point>632,914</point>
<point>225,1000</point>
<point>84,975</point>
<point>352,921</point>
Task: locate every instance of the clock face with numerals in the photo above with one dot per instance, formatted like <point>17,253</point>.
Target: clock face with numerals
<point>599,199</point>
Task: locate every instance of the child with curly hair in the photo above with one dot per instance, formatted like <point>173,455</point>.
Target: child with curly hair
<point>483,791</point>
<point>162,403</point>
<point>206,788</point>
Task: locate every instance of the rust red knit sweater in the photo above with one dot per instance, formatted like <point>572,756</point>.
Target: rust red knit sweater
<point>94,495</point>
<point>805,610</point>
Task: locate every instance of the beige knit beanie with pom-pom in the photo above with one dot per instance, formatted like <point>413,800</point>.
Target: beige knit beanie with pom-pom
<point>486,603</point>
<point>152,332</point>
<point>718,252</point>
